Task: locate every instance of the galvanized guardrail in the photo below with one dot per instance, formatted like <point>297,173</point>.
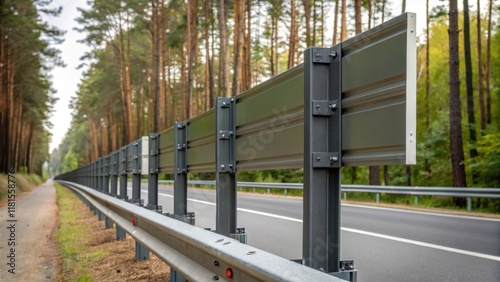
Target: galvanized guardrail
<point>197,254</point>
<point>348,105</point>
<point>399,190</point>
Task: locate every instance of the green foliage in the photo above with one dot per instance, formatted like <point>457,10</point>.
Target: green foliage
<point>72,235</point>
<point>488,161</point>
<point>24,182</point>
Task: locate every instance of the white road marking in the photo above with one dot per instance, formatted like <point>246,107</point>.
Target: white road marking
<point>422,244</point>
<point>422,212</point>
<point>382,236</point>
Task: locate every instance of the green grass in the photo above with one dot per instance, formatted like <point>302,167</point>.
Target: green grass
<point>24,182</point>
<point>72,237</point>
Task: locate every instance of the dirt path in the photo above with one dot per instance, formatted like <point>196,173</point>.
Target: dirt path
<point>32,258</point>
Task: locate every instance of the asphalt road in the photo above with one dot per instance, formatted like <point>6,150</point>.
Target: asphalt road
<point>386,244</point>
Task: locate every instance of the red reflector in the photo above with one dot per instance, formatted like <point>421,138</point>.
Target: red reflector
<point>133,221</point>
<point>229,273</point>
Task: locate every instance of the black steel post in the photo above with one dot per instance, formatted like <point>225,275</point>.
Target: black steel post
<point>180,169</point>
<point>225,160</point>
<point>153,171</point>
<point>136,173</point>
<point>322,158</point>
<point>106,174</point>
<point>114,173</point>
<point>122,168</point>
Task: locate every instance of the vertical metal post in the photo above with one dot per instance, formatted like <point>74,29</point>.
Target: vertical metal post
<point>106,174</point>
<point>114,173</point>
<point>469,204</point>
<point>225,160</point>
<point>322,158</point>
<point>153,171</point>
<point>108,223</point>
<point>122,168</point>
<point>141,253</point>
<point>180,169</point>
<point>120,233</point>
<point>94,175</point>
<point>136,173</point>
<point>99,175</point>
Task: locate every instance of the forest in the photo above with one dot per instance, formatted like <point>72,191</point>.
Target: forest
<point>156,62</point>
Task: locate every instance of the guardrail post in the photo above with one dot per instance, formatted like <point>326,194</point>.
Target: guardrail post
<point>106,174</point>
<point>322,159</point>
<point>120,233</point>
<point>136,173</point>
<point>141,253</point>
<point>122,168</point>
<point>469,204</point>
<point>95,172</point>
<point>114,173</point>
<point>180,168</point>
<point>180,182</point>
<point>225,162</point>
<point>153,146</point>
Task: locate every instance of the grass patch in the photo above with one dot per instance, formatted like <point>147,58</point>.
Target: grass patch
<point>72,237</point>
<point>24,182</point>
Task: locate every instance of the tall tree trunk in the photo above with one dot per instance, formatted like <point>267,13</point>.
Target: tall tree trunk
<point>370,15</point>
<point>223,51</point>
<point>469,87</point>
<point>457,152</point>
<point>488,66</point>
<point>247,48</point>
<point>292,39</point>
<point>209,86</point>
<point>239,11</point>
<point>343,22</point>
<point>163,107</point>
<point>335,22</point>
<point>427,79</point>
<point>307,12</point>
<point>357,16</point>
<point>192,11</point>
<point>480,76</point>
<point>374,175</point>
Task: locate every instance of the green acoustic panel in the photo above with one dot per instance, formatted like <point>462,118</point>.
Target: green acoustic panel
<point>379,95</point>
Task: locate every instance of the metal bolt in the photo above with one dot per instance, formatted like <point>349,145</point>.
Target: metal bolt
<point>216,263</point>
<point>222,167</point>
<point>215,277</point>
<point>333,54</point>
<point>318,57</point>
<point>333,159</point>
<point>333,107</point>
<point>317,107</point>
<point>318,159</point>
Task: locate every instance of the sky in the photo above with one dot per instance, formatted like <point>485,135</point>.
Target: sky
<point>66,79</point>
